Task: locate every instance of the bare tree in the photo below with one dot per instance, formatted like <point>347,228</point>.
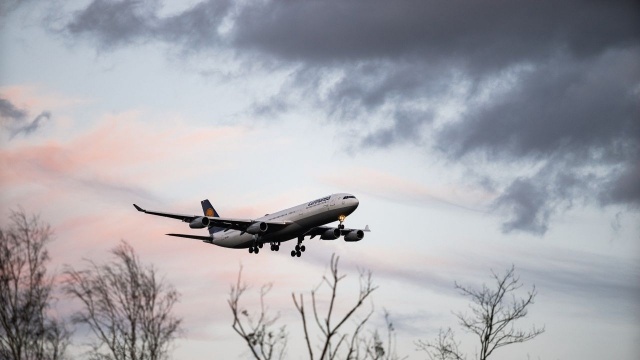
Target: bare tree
<point>126,306</point>
<point>376,348</point>
<point>443,348</point>
<point>339,338</point>
<point>27,331</point>
<point>259,331</point>
<point>494,311</point>
<point>332,341</point>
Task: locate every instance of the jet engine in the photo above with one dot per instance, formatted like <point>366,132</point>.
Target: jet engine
<point>199,223</point>
<point>355,235</point>
<point>330,234</point>
<point>257,228</point>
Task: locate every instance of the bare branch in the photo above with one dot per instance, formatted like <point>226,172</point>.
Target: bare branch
<point>333,344</point>
<point>27,330</point>
<point>300,307</point>
<point>257,330</point>
<point>443,348</point>
<point>494,311</point>
<point>125,306</point>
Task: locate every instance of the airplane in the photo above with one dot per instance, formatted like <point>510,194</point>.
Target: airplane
<point>308,219</point>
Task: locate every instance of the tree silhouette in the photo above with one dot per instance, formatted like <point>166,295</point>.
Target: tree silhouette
<point>341,335</point>
<point>126,306</point>
<point>27,330</point>
<point>332,341</point>
<point>265,340</point>
<point>494,311</point>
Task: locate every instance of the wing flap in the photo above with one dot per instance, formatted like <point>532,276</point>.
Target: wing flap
<point>196,237</point>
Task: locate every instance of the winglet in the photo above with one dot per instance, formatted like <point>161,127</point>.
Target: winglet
<point>366,228</point>
<point>138,208</point>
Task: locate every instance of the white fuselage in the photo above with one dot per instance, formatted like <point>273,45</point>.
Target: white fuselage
<point>303,217</point>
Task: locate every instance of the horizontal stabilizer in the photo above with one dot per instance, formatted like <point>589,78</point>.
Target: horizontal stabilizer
<point>204,238</point>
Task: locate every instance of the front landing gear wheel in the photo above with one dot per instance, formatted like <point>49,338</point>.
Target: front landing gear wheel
<point>251,250</point>
<point>341,220</point>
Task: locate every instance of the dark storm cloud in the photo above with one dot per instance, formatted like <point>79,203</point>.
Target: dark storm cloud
<point>529,202</point>
<point>406,127</point>
<point>10,112</point>
<point>562,106</point>
<point>573,116</point>
<point>480,34</point>
<point>570,103</point>
<point>117,23</point>
<point>15,119</point>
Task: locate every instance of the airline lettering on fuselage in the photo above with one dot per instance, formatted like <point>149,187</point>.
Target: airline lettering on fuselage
<point>319,201</point>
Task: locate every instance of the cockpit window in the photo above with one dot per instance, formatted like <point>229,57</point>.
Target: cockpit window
<point>349,197</point>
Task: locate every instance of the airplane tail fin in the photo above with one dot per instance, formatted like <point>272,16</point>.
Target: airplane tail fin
<point>209,211</point>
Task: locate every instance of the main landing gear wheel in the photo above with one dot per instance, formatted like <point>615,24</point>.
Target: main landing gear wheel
<point>295,253</point>
<point>257,244</point>
<point>299,248</point>
<point>275,247</point>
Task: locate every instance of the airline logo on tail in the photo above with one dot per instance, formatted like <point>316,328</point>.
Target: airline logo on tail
<point>209,211</point>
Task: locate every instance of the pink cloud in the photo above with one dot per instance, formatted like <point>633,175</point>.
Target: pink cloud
<point>35,98</point>
<point>84,185</point>
<point>120,147</point>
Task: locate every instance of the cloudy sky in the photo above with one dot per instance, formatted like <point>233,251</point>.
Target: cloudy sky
<point>475,134</point>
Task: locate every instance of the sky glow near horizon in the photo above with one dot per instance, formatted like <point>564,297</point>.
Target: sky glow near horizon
<point>475,137</point>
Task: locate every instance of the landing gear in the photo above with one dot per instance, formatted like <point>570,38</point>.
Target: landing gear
<point>299,248</point>
<point>257,245</point>
<point>341,219</point>
<point>275,246</point>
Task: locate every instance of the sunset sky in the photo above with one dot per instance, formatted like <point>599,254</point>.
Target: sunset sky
<point>476,134</point>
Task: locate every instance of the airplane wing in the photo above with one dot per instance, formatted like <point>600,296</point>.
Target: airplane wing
<point>223,222</point>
